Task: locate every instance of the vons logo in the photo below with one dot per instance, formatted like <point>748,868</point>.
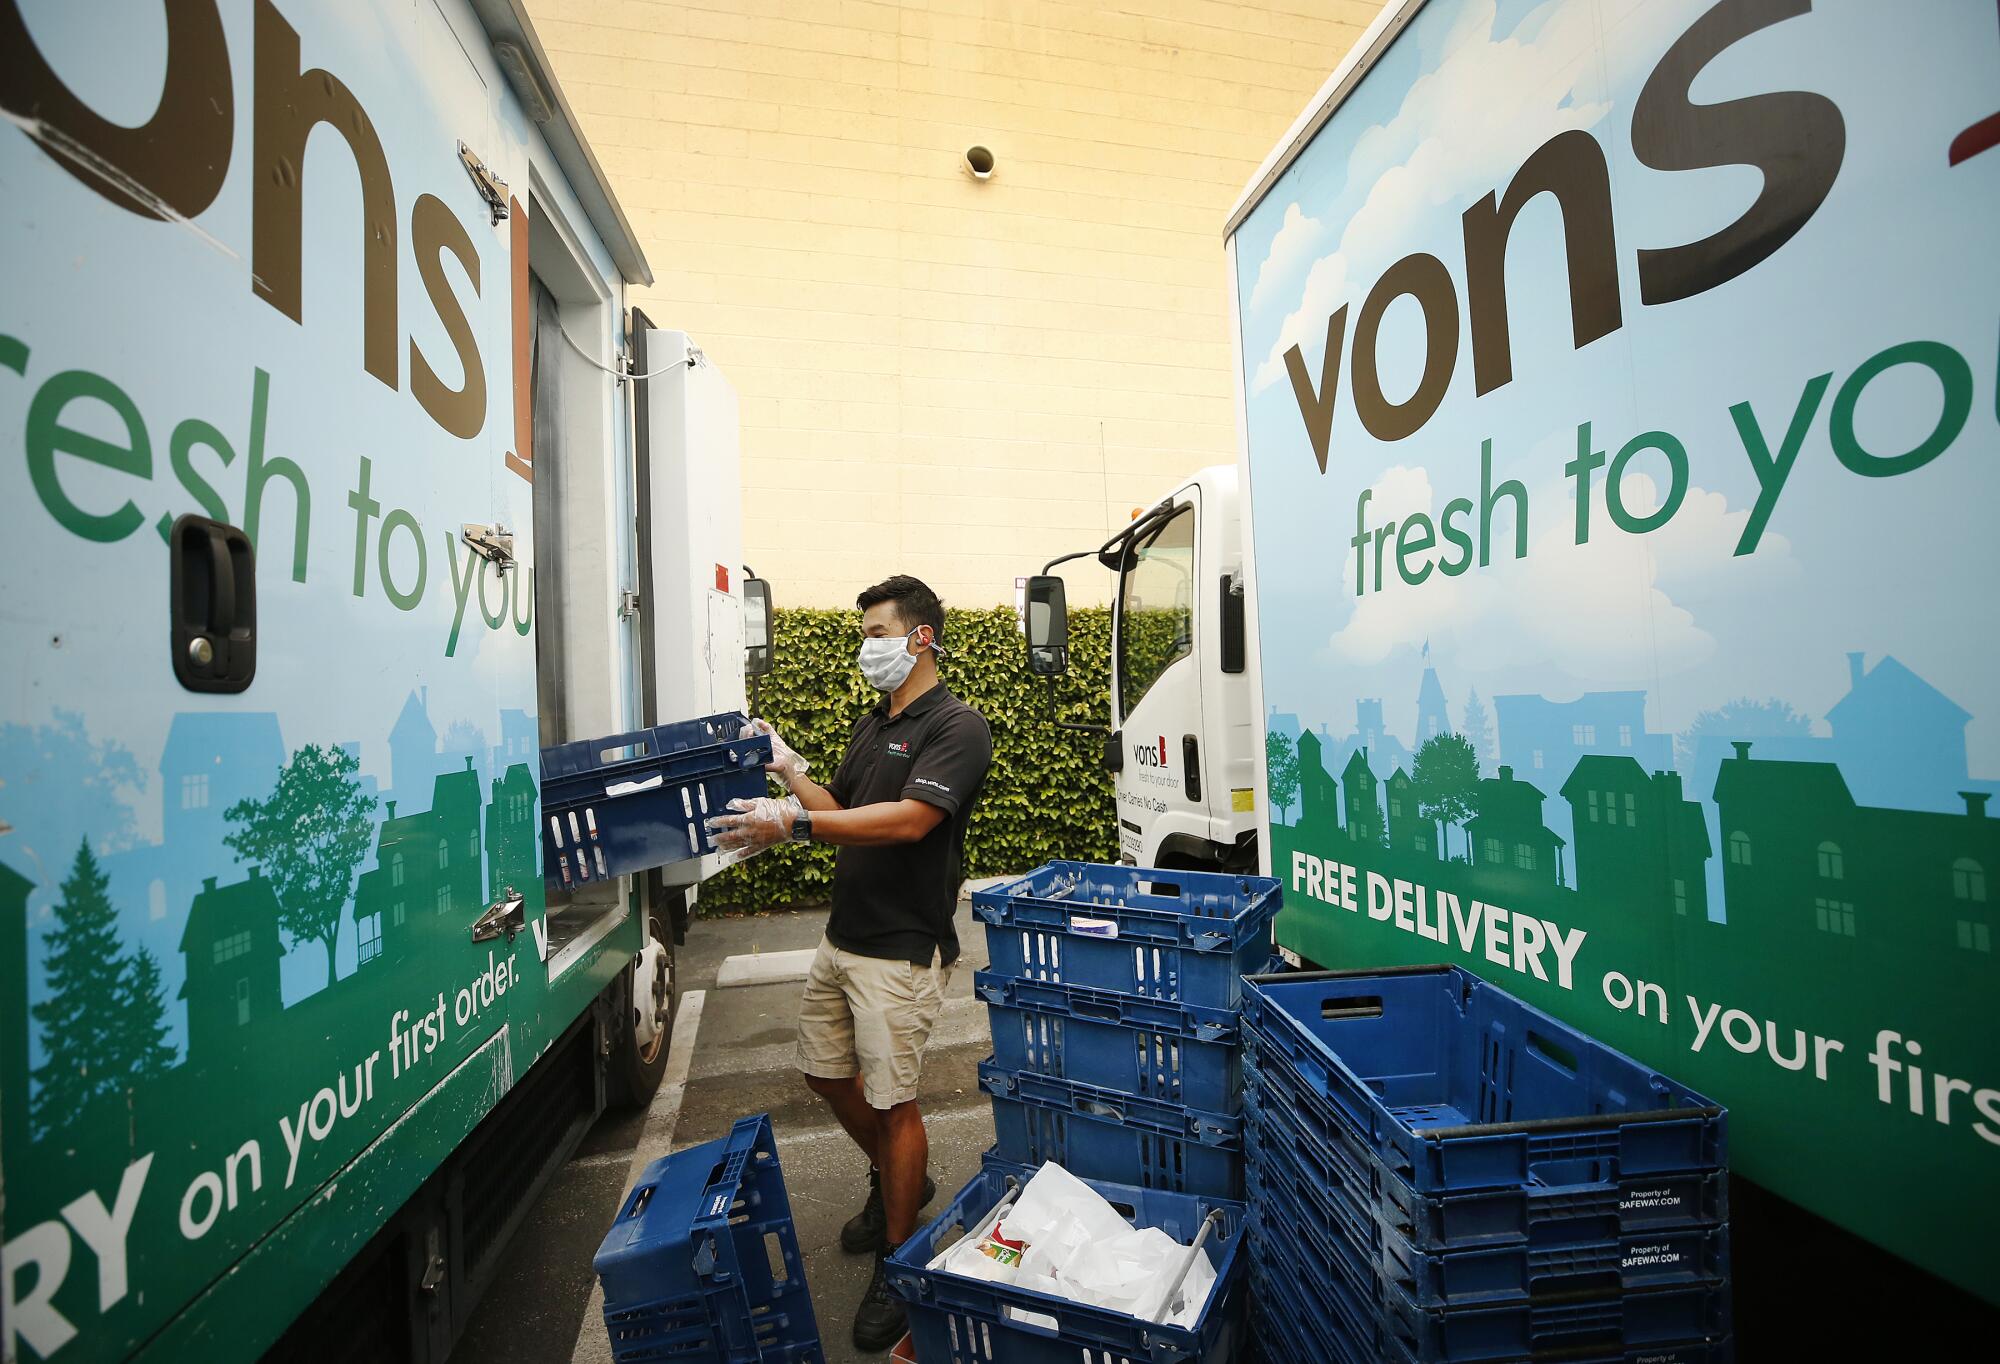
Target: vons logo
<point>1147,755</point>
<point>900,747</point>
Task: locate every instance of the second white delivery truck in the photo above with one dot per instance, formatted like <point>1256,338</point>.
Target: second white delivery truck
<point>1620,413</point>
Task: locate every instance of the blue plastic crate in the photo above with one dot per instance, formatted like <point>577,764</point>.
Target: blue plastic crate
<point>1680,1257</point>
<point>1282,1208</point>
<point>1456,1084</point>
<point>1347,1281</point>
<point>1329,1310</point>
<point>1148,1048</point>
<point>1097,1145</point>
<point>1285,1334</point>
<point>631,802</point>
<point>1615,1326</point>
<point>1553,1214</point>
<point>956,1320</point>
<point>1685,1352</point>
<point>690,1267</point>
<point>1335,1162</point>
<point>1182,936</point>
<point>1658,1256</point>
<point>1109,1105</point>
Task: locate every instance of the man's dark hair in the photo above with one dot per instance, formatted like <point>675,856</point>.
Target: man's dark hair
<point>915,603</point>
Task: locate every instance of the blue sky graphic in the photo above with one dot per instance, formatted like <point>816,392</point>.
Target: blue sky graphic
<point>1898,252</point>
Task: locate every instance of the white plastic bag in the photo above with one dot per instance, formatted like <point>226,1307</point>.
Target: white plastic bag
<point>1079,1247</point>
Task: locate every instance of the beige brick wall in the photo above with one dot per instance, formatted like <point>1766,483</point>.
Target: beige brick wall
<point>953,378</point>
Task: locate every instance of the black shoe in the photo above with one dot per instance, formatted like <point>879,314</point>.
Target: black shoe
<point>865,1230</point>
<point>880,1321</point>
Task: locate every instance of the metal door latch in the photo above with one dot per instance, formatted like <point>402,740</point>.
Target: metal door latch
<point>494,543</point>
<point>433,1265</point>
<point>508,915</point>
<point>490,186</point>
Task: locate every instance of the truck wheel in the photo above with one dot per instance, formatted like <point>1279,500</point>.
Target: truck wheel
<point>639,1054</point>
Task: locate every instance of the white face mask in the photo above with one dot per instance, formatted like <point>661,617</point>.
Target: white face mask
<point>885,663</point>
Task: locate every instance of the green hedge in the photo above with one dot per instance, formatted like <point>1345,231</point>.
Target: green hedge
<point>1048,795</point>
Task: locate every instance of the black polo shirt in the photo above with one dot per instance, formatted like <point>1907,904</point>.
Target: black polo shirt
<point>897,902</point>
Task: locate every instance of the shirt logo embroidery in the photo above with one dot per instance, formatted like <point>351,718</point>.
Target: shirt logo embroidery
<point>900,747</point>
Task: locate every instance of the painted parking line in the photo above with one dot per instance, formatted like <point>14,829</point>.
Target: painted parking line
<point>764,968</point>
<point>593,1345</point>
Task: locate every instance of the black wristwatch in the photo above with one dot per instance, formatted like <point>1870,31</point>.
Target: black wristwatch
<point>802,827</point>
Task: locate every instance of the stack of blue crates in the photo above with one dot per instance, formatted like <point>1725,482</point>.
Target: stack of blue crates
<point>702,1262</point>
<point>1113,994</point>
<point>1439,1172</point>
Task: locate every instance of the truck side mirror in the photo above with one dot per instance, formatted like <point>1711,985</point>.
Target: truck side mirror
<point>759,658</point>
<point>1048,627</point>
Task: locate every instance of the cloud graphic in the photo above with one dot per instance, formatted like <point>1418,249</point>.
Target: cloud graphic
<point>1460,133</point>
<point>1297,238</point>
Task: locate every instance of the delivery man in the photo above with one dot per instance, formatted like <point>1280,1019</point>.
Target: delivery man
<point>897,808</point>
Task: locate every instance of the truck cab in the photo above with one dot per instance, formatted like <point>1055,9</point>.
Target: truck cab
<point>1181,743</point>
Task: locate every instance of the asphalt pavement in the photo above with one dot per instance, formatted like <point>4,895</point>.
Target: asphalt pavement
<point>733,1056</point>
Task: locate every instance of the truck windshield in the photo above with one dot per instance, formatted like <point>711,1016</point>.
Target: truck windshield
<point>1155,607</point>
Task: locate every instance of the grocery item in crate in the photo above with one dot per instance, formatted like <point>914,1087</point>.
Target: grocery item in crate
<point>1061,1237</point>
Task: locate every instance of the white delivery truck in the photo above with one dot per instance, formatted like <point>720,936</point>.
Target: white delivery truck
<point>338,480</point>
<point>1617,387</point>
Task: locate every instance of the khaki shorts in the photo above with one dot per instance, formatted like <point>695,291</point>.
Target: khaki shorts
<point>870,1017</point>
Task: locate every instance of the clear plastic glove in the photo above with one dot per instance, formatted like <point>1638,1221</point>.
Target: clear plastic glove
<point>754,825</point>
<point>786,764</point>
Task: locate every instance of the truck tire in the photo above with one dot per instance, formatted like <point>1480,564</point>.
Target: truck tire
<point>645,1030</point>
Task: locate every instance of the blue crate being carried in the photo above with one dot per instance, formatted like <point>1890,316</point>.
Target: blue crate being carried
<point>959,1320</point>
<point>687,1269</point>
<point>1455,1084</point>
<point>631,802</point>
<point>1182,936</point>
<point>1148,1048</point>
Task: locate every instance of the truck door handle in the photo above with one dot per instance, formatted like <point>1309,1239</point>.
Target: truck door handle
<point>212,605</point>
<point>1191,766</point>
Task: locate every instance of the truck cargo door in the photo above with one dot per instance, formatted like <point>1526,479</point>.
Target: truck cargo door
<point>1163,784</point>
<point>690,529</point>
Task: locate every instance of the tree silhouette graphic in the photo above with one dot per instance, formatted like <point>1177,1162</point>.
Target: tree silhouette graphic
<point>1445,782</point>
<point>142,1006</point>
<point>82,1021</point>
<point>99,774</point>
<point>1743,718</point>
<point>310,835</point>
<point>1478,729</point>
<point>1281,770</point>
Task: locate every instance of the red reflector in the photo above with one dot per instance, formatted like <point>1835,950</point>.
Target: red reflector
<point>721,578</point>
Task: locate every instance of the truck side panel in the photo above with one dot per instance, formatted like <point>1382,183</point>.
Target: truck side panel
<point>1621,418</point>
<point>248,1009</point>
